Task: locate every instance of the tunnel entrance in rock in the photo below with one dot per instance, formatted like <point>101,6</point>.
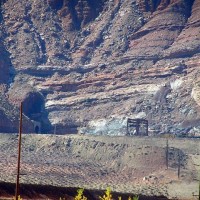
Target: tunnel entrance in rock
<point>37,126</point>
<point>33,105</point>
<point>34,109</point>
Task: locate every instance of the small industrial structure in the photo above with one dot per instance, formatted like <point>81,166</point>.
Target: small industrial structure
<point>138,127</point>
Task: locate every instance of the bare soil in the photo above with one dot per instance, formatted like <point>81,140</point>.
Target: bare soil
<point>135,165</point>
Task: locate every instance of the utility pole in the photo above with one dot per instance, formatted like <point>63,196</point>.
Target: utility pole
<point>167,153</point>
<point>17,193</point>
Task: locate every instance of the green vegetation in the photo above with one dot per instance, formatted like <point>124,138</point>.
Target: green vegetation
<point>107,196</point>
<point>80,195</point>
<point>18,198</point>
<point>136,197</point>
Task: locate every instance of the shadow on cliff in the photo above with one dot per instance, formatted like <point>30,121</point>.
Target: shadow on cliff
<point>34,108</point>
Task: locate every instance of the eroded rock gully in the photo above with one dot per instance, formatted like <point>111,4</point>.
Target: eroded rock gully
<point>93,64</point>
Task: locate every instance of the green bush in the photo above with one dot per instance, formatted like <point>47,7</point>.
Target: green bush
<point>80,195</point>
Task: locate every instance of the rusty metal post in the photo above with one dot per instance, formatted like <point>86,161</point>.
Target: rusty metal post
<point>17,193</point>
<point>137,127</point>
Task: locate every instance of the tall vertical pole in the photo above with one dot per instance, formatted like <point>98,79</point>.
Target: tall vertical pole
<point>137,128</point>
<point>147,127</point>
<point>167,153</point>
<point>19,154</point>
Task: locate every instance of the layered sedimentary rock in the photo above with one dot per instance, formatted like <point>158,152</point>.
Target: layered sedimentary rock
<point>134,165</point>
<point>79,65</point>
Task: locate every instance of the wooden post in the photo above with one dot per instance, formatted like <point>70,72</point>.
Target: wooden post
<point>167,154</point>
<point>137,128</point>
<point>17,193</point>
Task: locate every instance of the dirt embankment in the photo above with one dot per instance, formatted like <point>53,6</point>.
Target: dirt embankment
<point>126,164</point>
<point>39,192</point>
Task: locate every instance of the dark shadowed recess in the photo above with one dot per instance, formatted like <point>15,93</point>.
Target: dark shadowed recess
<point>38,192</point>
<point>95,7</point>
<point>7,75</point>
<point>153,5</point>
<point>33,104</point>
<point>1,16</point>
<point>33,107</point>
<point>7,70</point>
<point>56,4</point>
<point>189,4</point>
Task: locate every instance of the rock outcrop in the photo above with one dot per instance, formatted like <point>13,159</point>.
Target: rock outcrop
<point>86,61</point>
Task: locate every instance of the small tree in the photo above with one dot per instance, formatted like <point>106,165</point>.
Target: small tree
<point>134,198</point>
<point>107,195</point>
<point>80,195</point>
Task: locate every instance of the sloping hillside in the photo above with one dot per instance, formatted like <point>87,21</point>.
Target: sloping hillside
<point>79,64</point>
<point>134,165</point>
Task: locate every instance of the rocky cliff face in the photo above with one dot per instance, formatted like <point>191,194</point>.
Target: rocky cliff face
<point>126,164</point>
<point>88,65</point>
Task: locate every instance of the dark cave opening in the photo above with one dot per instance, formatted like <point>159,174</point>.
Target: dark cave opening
<point>33,105</point>
<point>34,108</point>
